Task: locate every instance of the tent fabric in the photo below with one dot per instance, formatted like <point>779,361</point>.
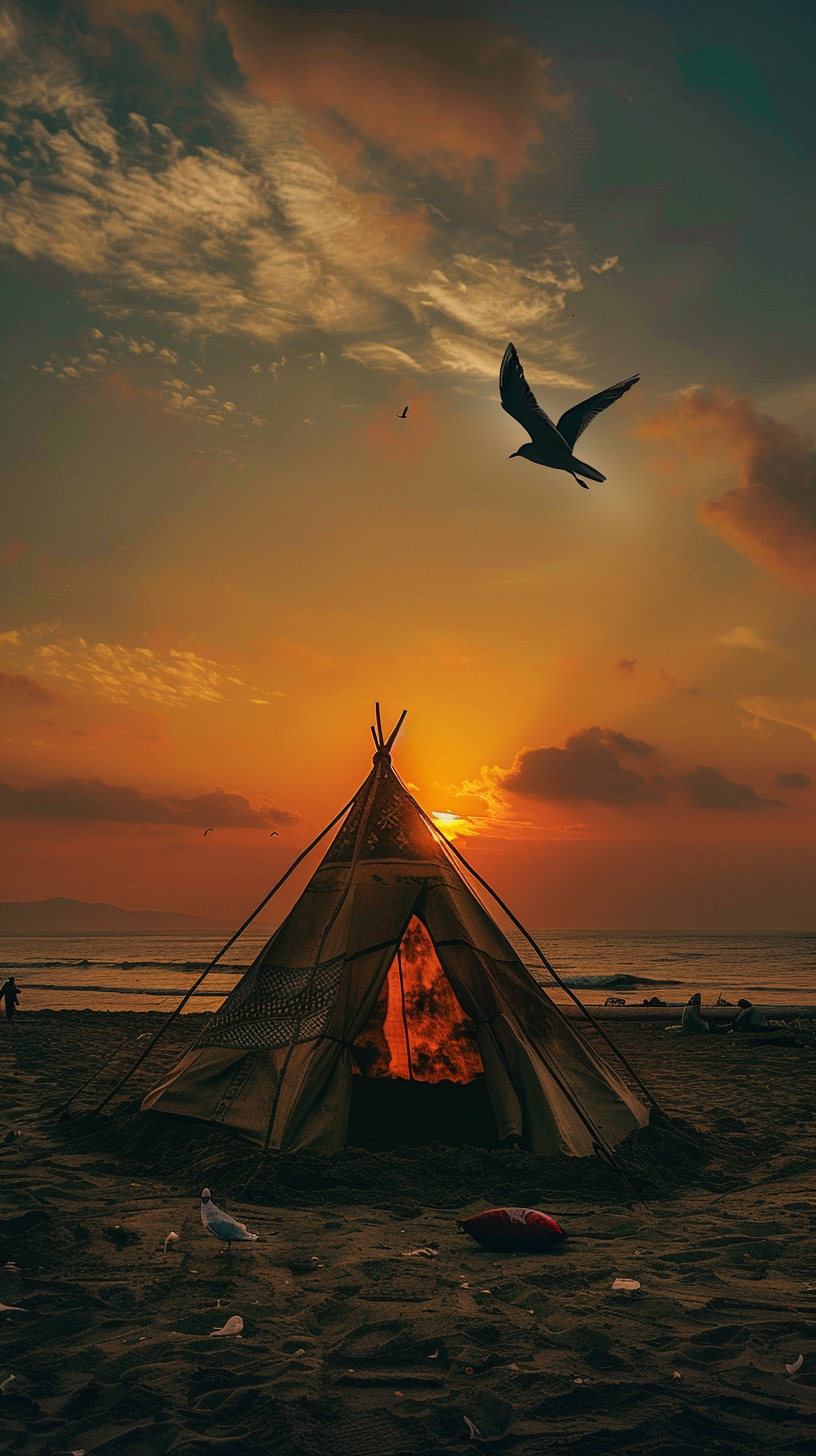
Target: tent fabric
<point>276,1061</point>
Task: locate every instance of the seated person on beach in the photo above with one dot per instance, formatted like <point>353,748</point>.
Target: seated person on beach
<point>692,1023</point>
<point>748,1018</point>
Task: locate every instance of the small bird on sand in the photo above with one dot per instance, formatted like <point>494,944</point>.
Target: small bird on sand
<point>551,444</point>
<point>222,1225</point>
<point>208,831</point>
<point>404,414</point>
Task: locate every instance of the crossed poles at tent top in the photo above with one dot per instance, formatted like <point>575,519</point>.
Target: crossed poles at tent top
<point>383,750</point>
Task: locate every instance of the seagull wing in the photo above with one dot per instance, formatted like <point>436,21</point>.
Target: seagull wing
<point>223,1225</point>
<point>574,421</point>
<point>518,400</point>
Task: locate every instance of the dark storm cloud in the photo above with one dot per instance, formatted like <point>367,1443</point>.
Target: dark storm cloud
<point>603,766</point>
<point>93,799</point>
<point>707,788</point>
<point>595,764</point>
<point>792,780</point>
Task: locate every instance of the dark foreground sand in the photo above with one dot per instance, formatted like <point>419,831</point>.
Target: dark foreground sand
<point>369,1351</point>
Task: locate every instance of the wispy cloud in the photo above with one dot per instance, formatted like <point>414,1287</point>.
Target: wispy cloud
<point>27,689</point>
<point>261,239</point>
<point>790,714</point>
<point>175,678</point>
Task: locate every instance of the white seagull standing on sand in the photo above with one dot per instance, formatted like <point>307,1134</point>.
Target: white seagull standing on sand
<point>222,1226</point>
<point>551,444</point>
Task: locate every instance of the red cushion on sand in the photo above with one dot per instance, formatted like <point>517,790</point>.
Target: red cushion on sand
<point>513,1230</point>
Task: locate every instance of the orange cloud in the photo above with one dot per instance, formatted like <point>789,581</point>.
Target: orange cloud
<point>770,517</point>
<point>448,95</point>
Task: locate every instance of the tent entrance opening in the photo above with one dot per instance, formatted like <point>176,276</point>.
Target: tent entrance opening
<point>418,1031</point>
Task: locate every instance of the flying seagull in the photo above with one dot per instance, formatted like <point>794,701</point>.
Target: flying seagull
<point>404,414</point>
<point>222,1226</point>
<point>208,831</point>
<point>551,444</point>
<point>274,834</point>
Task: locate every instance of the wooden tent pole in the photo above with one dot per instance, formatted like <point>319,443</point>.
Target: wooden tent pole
<point>379,725</point>
<point>390,744</point>
<point>183,1002</point>
<point>404,1014</point>
<point>539,952</point>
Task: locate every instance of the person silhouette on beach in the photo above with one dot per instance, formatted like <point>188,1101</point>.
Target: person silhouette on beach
<point>748,1018</point>
<point>692,1021</point>
<point>11,995</point>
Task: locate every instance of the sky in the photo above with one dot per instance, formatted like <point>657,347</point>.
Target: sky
<point>236,239</point>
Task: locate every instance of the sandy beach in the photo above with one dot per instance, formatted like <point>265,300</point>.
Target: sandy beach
<point>353,1343</point>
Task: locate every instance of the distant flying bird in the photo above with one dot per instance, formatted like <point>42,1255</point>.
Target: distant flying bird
<point>222,1226</point>
<point>208,831</point>
<point>274,834</point>
<point>551,444</point>
<point>404,414</point>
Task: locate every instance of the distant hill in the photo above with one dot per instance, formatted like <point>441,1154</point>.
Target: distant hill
<point>77,917</point>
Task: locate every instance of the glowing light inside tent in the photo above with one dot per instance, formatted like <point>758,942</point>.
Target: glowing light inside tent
<point>423,1032</point>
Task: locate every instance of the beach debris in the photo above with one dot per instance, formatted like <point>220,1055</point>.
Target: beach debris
<point>233,1326</point>
<point>299,1354</point>
<point>11,1265</point>
<point>171,1242</point>
<point>19,1308</point>
<point>468,1369</point>
<point>79,1452</point>
<point>11,1137</point>
<point>222,1225</point>
<point>676,1375</point>
<point>473,1429</point>
<point>579,1380</point>
<point>795,1366</point>
<point>627,1287</point>
<point>513,1230</point>
<point>4,1384</point>
<point>435,1355</point>
<point>464,1285</point>
<point>421,1253</point>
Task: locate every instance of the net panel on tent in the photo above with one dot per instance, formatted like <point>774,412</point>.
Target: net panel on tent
<point>287,1006</point>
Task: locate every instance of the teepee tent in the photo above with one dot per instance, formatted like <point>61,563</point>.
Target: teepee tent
<point>389,966</point>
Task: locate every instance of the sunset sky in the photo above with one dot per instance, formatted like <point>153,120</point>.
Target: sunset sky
<point>236,239</point>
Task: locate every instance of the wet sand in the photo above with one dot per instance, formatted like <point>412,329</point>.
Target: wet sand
<point>348,1345</point>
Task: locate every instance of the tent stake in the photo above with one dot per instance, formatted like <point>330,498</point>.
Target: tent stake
<point>183,1002</point>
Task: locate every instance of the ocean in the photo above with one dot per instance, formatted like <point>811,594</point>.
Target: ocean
<point>151,972</point>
